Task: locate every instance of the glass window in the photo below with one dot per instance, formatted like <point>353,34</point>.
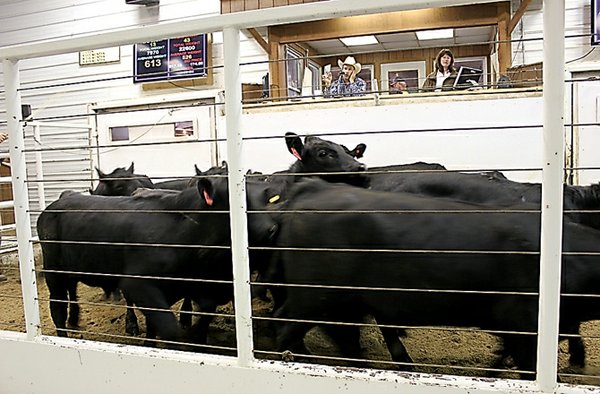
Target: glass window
<point>119,133</point>
<point>413,74</point>
<point>479,62</point>
<point>294,65</point>
<point>152,133</point>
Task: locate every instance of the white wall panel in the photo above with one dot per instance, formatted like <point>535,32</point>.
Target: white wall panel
<point>29,21</point>
<point>510,146</point>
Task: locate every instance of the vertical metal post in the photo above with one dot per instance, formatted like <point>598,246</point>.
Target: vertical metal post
<point>16,142</point>
<point>552,193</point>
<point>237,195</point>
<point>39,169</point>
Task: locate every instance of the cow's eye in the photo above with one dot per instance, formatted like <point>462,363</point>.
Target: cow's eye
<point>323,153</point>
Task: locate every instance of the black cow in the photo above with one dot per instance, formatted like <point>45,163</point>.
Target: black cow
<point>450,267</point>
<point>123,182</point>
<point>384,177</point>
<point>90,234</point>
<point>499,191</point>
<point>180,184</point>
<point>120,182</point>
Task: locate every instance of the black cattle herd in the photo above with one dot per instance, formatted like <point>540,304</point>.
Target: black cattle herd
<point>409,245</point>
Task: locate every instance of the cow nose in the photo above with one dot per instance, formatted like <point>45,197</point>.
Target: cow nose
<point>362,167</point>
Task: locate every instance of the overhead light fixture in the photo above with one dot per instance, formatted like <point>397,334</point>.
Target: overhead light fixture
<point>435,34</point>
<point>356,41</point>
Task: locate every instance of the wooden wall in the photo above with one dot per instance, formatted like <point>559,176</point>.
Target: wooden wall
<point>228,6</point>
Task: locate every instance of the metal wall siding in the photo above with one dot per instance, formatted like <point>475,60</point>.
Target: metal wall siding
<point>577,22</point>
<point>29,21</point>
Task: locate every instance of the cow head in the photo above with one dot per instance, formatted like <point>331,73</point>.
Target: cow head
<point>317,155</point>
<point>120,182</point>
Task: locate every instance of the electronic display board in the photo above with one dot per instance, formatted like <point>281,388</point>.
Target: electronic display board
<point>173,58</point>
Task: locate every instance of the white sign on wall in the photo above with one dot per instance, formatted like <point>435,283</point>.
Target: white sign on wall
<point>100,56</point>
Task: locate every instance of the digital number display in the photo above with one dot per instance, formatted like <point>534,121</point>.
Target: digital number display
<point>182,57</point>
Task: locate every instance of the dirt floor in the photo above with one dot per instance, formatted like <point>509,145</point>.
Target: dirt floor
<point>444,351</point>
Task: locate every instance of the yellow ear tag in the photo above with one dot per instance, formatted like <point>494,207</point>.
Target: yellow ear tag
<point>275,198</point>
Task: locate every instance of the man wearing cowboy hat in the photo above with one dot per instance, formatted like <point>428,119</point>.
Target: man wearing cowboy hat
<point>348,82</point>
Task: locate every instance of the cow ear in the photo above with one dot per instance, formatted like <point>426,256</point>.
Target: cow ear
<point>224,165</point>
<point>100,173</point>
<point>359,151</point>
<point>294,144</point>
<point>198,171</point>
<point>130,169</point>
<point>206,189</point>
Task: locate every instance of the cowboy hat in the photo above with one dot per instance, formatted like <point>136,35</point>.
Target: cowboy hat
<point>350,61</point>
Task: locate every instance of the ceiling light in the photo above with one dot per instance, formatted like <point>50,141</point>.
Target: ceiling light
<point>435,34</point>
<point>362,40</point>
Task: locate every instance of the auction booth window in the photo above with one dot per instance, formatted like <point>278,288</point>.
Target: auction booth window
<point>294,65</point>
<point>412,72</point>
<point>315,78</point>
<point>479,62</point>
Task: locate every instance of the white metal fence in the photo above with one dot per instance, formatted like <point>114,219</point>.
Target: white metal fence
<point>160,370</point>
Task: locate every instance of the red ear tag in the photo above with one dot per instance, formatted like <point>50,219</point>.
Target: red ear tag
<point>209,200</point>
<point>296,154</point>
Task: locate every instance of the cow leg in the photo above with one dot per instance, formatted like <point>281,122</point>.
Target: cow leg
<point>185,318</point>
<point>199,331</point>
<point>58,308</point>
<point>73,305</point>
<point>145,295</point>
<point>131,321</point>
<point>576,352</point>
<point>396,347</point>
<point>523,351</point>
<point>290,339</point>
<point>570,325</point>
<point>150,334</point>
<point>290,336</point>
<point>347,339</point>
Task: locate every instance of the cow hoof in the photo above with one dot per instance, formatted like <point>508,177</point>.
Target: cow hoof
<point>133,331</point>
<point>287,356</point>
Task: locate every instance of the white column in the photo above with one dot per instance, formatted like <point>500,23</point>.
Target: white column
<point>237,195</point>
<point>552,193</point>
<point>21,197</point>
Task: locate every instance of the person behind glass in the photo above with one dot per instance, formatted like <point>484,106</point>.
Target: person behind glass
<point>3,137</point>
<point>398,86</point>
<point>348,82</point>
<point>444,75</point>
